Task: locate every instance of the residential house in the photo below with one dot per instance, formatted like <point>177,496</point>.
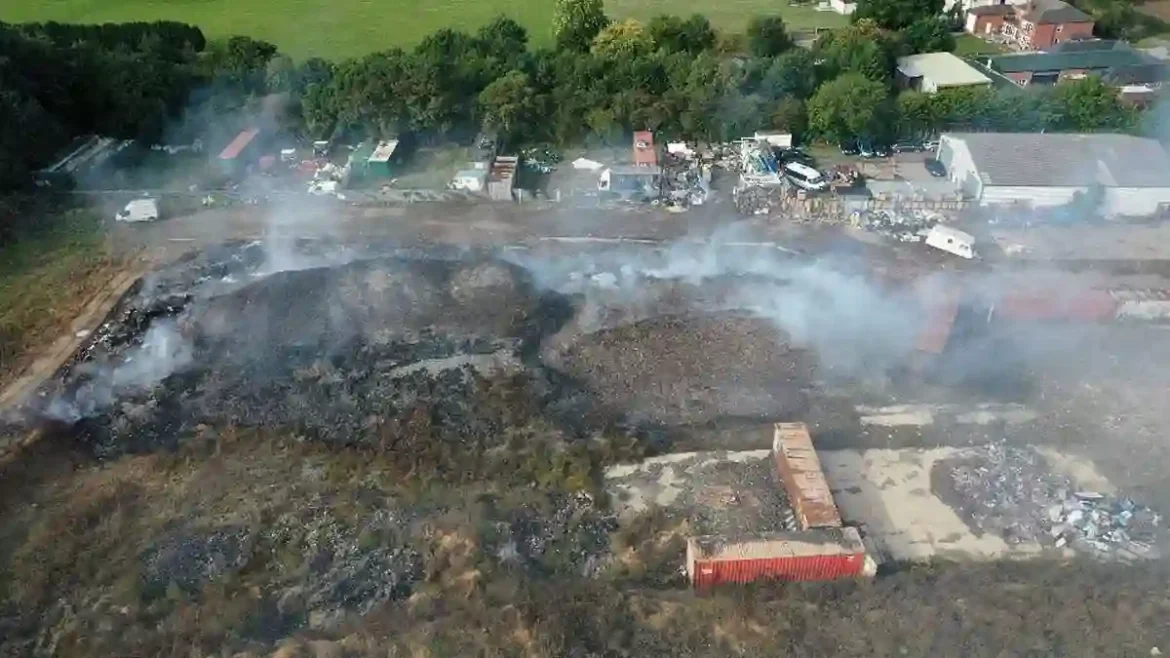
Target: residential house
<point>1034,25</point>
<point>988,20</point>
<point>1116,62</point>
<point>1128,175</point>
<point>930,72</point>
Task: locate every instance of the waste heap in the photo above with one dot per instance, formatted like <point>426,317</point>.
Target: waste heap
<point>1009,491</point>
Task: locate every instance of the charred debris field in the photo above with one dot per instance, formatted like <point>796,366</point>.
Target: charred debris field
<point>332,451</point>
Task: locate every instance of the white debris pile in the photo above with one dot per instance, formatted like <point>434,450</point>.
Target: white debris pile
<point>1011,492</point>
<point>902,225</point>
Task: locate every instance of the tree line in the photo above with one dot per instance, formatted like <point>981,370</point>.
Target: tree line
<point>600,80</point>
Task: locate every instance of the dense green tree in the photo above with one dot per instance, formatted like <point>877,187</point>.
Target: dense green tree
<point>1087,105</point>
<point>918,113</point>
<point>767,36</point>
<point>627,38</point>
<point>928,35</point>
<point>508,103</point>
<point>792,74</point>
<point>789,115</point>
<point>502,37</point>
<point>576,22</point>
<point>674,34</point>
<point>849,106</point>
<point>896,14</point>
<point>861,48</point>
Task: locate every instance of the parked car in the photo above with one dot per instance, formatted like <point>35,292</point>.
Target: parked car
<point>796,155</point>
<point>872,149</point>
<point>849,147</point>
<point>908,146</point>
<point>936,168</point>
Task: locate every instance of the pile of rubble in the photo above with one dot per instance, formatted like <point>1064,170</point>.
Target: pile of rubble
<point>1010,491</point>
<point>902,225</point>
<point>686,180</point>
<point>758,200</point>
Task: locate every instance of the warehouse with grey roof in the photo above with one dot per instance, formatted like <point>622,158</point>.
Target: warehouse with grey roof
<point>1129,175</point>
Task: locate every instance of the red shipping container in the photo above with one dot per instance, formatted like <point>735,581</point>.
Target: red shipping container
<point>1054,305</point>
<point>800,472</point>
<point>814,555</point>
<point>940,307</point>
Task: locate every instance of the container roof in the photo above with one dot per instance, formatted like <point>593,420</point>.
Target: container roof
<point>237,145</point>
<point>384,151</point>
<point>944,69</point>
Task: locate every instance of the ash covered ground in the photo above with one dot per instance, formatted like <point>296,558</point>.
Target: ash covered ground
<point>318,450</point>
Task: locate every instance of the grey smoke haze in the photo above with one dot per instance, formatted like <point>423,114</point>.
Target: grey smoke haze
<point>856,328</point>
<point>164,351</point>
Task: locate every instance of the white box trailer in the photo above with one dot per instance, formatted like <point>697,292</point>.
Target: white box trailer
<point>139,210</point>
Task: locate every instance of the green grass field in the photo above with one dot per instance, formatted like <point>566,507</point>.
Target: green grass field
<point>340,28</point>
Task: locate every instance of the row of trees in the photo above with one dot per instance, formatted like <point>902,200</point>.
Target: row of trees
<point>602,79</point>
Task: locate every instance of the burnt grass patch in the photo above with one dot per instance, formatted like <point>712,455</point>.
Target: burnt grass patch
<point>372,459</point>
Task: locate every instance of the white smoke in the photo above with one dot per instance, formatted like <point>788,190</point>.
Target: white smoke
<point>164,351</point>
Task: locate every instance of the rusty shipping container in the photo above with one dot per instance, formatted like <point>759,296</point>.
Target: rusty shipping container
<point>1057,305</point>
<point>825,554</point>
<point>800,472</point>
<point>940,307</point>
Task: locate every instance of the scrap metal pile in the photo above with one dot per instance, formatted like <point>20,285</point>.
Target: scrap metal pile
<point>686,179</point>
<point>1011,492</point>
<point>758,200</point>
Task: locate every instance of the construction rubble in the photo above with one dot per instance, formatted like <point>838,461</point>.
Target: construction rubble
<point>1010,491</point>
<point>903,225</point>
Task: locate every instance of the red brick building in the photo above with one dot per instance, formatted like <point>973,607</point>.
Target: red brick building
<point>1035,25</point>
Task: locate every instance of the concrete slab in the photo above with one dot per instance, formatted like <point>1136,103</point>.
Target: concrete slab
<point>889,492</point>
<point>717,492</point>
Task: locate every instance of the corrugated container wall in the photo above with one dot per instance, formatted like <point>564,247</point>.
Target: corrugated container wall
<point>840,555</point>
<point>800,472</point>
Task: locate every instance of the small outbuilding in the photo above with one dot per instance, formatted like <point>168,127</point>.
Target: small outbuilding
<point>630,181</point>
<point>930,72</point>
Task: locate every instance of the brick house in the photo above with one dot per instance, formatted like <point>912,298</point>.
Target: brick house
<point>988,20</point>
<point>1034,25</point>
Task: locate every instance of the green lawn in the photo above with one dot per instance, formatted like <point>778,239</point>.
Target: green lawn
<point>968,45</point>
<point>339,28</point>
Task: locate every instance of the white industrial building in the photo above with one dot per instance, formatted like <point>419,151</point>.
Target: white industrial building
<point>1129,175</point>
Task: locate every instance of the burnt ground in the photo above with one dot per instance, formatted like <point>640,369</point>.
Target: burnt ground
<point>400,454</point>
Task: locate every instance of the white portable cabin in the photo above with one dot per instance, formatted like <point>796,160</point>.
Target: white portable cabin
<point>777,139</point>
<point>951,240</point>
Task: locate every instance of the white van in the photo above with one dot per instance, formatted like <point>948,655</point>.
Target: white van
<point>139,210</point>
<point>805,177</point>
